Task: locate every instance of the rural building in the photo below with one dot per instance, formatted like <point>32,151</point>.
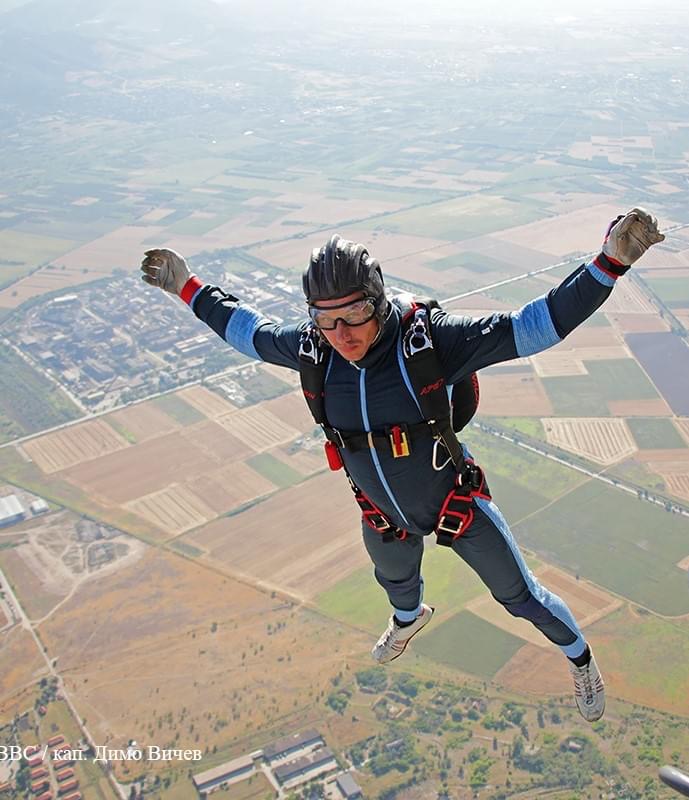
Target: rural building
<point>11,510</point>
<point>197,344</point>
<point>35,761</point>
<point>305,768</point>
<point>38,772</point>
<point>229,772</point>
<point>289,745</point>
<point>38,786</point>
<point>5,787</point>
<point>66,300</point>
<point>63,774</point>
<point>73,796</point>
<point>39,506</point>
<point>67,787</point>
<point>349,788</point>
<point>45,796</point>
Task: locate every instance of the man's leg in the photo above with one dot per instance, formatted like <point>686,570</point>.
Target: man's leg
<point>489,548</point>
<point>398,570</point>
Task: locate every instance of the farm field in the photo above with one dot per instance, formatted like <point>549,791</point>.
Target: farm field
<point>75,445</point>
<point>499,457</point>
<point>629,548</point>
<point>518,394</point>
<point>665,356</point>
<point>177,462</point>
<point>606,382</point>
<point>469,644</point>
<point>659,679</point>
<point>604,441</point>
<point>293,549</point>
<point>587,603</point>
<point>28,401</point>
<point>656,434</point>
<point>358,600</point>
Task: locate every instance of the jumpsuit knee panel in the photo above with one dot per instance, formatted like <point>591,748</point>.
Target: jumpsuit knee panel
<point>397,567</point>
<point>490,550</point>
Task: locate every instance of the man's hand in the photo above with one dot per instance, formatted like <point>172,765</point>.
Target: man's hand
<point>630,236</point>
<point>166,269</point>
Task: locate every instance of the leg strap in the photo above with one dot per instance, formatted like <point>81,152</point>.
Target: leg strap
<point>457,512</point>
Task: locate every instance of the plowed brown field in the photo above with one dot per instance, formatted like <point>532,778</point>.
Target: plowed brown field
<point>602,440</point>
<point>512,395</point>
<point>74,445</point>
<point>303,539</point>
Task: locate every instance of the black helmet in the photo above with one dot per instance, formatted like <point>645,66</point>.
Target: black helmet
<point>340,268</point>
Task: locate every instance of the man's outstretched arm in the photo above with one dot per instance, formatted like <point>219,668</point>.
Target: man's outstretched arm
<point>466,345</point>
<point>241,326</point>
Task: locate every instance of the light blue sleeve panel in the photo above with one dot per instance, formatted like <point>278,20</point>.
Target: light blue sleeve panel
<point>599,275</point>
<point>240,330</point>
<point>533,328</point>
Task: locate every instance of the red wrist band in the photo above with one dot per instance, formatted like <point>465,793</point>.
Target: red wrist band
<point>190,287</point>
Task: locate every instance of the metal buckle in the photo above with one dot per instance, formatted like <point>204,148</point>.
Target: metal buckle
<point>382,525</point>
<point>417,339</point>
<point>308,346</point>
<point>445,529</point>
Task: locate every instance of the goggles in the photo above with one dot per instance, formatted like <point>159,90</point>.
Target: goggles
<point>353,313</point>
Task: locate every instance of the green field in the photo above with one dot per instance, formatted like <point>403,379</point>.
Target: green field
<point>529,426</point>
<point>29,402</point>
<point>178,409</point>
<point>607,381</point>
<point>530,471</point>
<point>476,262</point>
<point>455,220</point>
<point>520,292</point>
<point>274,470</point>
<point>665,645</point>
<point>360,601</point>
<point>670,290</point>
<point>124,432</point>
<point>626,545</point>
<point>514,500</point>
<point>655,434</point>
<point>20,249</point>
<point>469,644</point>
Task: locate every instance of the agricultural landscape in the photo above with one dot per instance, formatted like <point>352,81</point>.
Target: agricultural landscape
<point>191,574</point>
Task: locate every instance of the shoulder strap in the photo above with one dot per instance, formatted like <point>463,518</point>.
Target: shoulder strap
<point>313,362</point>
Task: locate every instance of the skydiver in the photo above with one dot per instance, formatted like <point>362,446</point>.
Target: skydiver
<point>374,424</point>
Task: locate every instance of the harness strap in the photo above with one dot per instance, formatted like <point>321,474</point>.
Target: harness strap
<point>457,512</point>
<point>374,517</point>
<point>398,438</point>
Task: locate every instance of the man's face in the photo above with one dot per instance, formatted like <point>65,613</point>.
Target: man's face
<point>350,341</point>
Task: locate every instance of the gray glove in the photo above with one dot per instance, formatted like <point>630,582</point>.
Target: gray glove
<point>630,236</point>
<point>166,269</point>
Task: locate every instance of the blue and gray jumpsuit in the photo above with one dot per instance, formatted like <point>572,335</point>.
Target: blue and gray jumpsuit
<point>376,392</point>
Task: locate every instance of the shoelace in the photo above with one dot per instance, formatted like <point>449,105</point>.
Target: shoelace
<point>585,683</point>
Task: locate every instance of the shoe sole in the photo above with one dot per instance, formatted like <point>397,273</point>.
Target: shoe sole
<point>401,652</point>
<point>592,719</point>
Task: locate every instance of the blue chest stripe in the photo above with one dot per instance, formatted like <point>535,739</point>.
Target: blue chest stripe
<point>374,455</point>
<point>405,374</point>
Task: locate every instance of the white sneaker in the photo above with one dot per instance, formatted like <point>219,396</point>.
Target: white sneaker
<point>589,690</point>
<point>394,641</point>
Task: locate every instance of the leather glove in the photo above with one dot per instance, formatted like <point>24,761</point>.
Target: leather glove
<point>629,237</point>
<point>166,269</point>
